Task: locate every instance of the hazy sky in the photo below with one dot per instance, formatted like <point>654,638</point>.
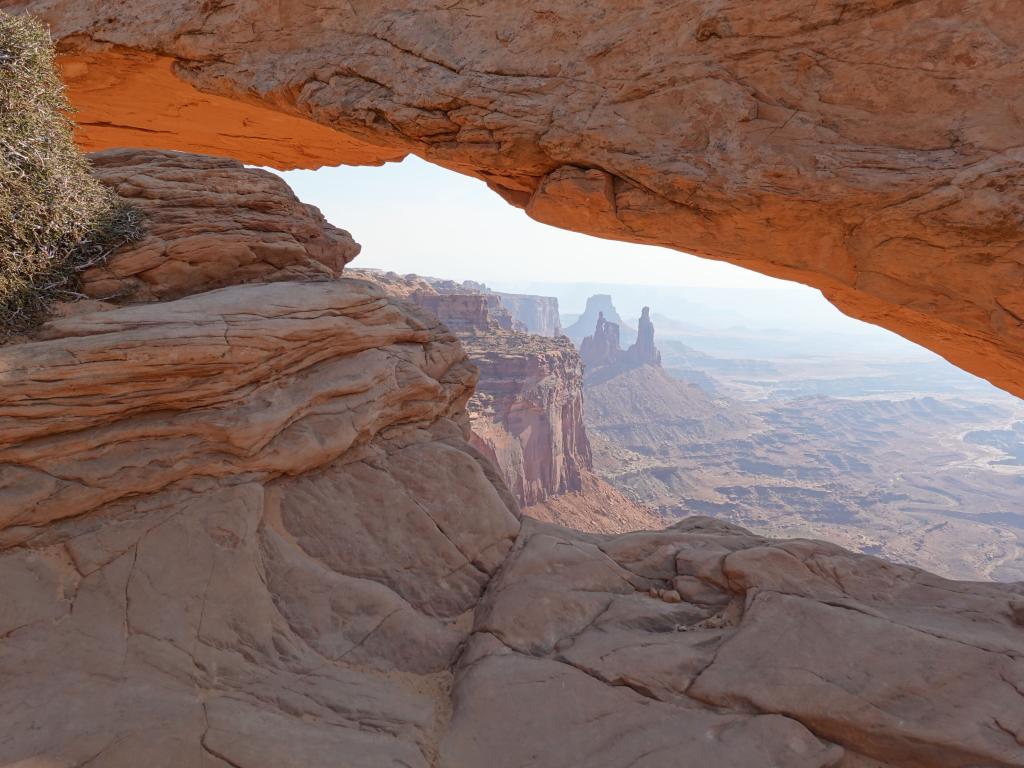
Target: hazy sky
<point>417,217</point>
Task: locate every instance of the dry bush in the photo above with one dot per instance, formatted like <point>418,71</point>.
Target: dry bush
<point>55,218</point>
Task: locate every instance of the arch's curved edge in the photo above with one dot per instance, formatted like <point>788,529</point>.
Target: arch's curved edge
<point>873,150</point>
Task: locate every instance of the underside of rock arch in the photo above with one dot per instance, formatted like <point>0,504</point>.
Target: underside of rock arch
<point>870,148</point>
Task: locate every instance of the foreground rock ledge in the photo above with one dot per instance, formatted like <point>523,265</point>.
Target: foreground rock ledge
<point>218,540</point>
<point>869,149</point>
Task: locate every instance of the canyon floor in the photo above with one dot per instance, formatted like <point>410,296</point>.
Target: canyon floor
<point>910,460</point>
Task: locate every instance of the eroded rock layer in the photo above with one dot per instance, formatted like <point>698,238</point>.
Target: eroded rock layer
<point>210,222</point>
<point>218,538</point>
<point>869,149</point>
<point>526,413</point>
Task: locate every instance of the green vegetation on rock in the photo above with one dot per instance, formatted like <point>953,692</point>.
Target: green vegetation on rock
<point>55,218</point>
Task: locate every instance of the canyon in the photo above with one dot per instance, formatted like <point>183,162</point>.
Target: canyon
<point>255,511</point>
<point>526,413</point>
<point>245,527</point>
<point>911,476</point>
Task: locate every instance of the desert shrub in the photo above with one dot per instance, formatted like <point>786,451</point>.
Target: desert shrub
<point>55,218</point>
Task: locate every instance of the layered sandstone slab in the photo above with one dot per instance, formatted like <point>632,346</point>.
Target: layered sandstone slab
<point>210,222</point>
<point>218,538</point>
<point>868,149</point>
<point>259,537</point>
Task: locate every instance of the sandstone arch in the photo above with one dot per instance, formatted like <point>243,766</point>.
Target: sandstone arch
<point>870,148</point>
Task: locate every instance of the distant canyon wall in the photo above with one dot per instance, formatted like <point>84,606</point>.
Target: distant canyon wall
<point>527,410</point>
<point>539,314</point>
<point>871,150</point>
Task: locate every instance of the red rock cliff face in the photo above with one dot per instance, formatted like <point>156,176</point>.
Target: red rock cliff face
<point>527,410</point>
<point>527,413</point>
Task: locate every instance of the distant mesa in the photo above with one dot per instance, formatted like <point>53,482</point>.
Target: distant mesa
<point>597,305</point>
<point>602,349</point>
<point>539,314</point>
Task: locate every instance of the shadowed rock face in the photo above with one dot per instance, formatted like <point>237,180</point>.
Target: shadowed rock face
<point>870,149</point>
<point>243,527</point>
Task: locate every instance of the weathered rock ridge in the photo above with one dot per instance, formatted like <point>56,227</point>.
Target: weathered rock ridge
<point>210,222</point>
<point>218,542</point>
<point>869,149</point>
<point>526,413</point>
<point>243,528</point>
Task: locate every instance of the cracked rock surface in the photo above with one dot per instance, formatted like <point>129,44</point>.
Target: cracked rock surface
<point>868,148</point>
<point>706,641</point>
<point>217,538</point>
